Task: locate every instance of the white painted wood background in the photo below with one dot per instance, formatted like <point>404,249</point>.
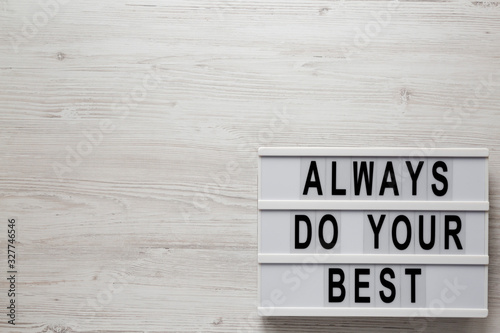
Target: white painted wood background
<point>146,220</point>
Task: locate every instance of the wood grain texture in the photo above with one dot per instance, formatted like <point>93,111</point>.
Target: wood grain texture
<point>130,130</point>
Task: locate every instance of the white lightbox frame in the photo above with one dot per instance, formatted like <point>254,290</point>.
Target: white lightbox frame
<point>389,259</point>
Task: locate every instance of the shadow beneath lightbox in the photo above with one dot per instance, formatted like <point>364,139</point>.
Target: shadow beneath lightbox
<point>374,324</point>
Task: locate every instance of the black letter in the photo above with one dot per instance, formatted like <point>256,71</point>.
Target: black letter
<point>332,219</point>
<point>363,173</point>
<point>389,171</point>
<point>452,232</point>
<point>298,244</point>
<point>423,244</point>
<point>336,191</point>
<point>313,169</point>
<point>388,285</point>
<point>358,284</point>
<point>376,228</point>
<point>413,272</point>
<point>397,244</point>
<point>336,284</point>
<point>440,177</point>
<point>414,175</point>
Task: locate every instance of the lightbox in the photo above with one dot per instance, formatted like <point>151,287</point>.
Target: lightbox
<point>373,232</point>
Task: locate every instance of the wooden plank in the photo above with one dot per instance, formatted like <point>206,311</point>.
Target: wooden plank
<point>161,213</point>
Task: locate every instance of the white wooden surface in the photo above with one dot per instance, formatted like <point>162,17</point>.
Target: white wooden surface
<point>153,228</point>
